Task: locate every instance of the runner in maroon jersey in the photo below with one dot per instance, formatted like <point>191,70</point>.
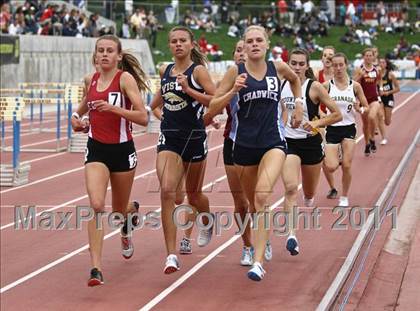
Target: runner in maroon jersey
<point>369,77</point>
<point>113,100</point>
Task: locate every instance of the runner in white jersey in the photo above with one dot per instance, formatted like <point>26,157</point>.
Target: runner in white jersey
<point>348,95</point>
<point>305,152</point>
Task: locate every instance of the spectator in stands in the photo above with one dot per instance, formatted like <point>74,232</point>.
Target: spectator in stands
<point>380,13</point>
<point>5,18</point>
<point>125,29</point>
<point>233,30</point>
<point>282,11</point>
<point>351,13</point>
<point>308,6</point>
<point>298,11</point>
<point>15,28</point>
<point>138,23</point>
<point>341,14</point>
<point>30,23</point>
<point>153,27</point>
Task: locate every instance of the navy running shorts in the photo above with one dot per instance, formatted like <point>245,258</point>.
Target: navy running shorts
<point>192,150</point>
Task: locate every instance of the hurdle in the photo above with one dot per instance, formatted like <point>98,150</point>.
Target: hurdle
<point>73,94</point>
<point>17,173</point>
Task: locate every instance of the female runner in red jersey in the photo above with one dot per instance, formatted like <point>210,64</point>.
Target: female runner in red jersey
<point>113,100</point>
<point>369,78</point>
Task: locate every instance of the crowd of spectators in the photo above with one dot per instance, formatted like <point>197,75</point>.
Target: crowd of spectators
<point>43,18</point>
<point>301,20</point>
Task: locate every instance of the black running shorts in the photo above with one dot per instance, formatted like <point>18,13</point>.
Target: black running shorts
<point>120,157</point>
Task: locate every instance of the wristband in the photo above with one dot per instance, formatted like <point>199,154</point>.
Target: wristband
<point>148,109</point>
<point>299,99</point>
<point>76,115</point>
<point>381,89</point>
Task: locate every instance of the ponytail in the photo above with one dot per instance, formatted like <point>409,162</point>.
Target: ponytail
<point>131,64</point>
<point>309,73</point>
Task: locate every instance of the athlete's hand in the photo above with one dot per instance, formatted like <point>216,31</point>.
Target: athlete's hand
<point>297,116</point>
<point>182,82</point>
<point>207,119</point>
<point>85,123</point>
<point>216,124</point>
<point>102,105</point>
<point>310,126</point>
<point>240,82</point>
<point>76,124</point>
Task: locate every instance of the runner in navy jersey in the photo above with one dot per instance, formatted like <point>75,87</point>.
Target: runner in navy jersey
<point>186,87</point>
<point>113,100</point>
<point>258,128</point>
<point>305,151</point>
<point>240,201</point>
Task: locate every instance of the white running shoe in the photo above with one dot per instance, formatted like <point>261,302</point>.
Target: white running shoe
<point>247,257</point>
<point>256,273</point>
<point>171,265</point>
<point>185,247</point>
<point>343,202</point>
<point>308,202</point>
<point>204,236</point>
<point>127,247</point>
<point>268,253</point>
<point>384,141</point>
<point>292,245</point>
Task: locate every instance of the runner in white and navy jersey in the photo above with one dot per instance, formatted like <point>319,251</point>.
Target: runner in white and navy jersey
<point>305,150</point>
<point>113,101</point>
<point>186,87</point>
<point>348,95</point>
<point>257,127</point>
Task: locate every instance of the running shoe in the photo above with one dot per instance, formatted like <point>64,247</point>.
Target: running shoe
<point>171,265</point>
<point>204,236</point>
<point>367,150</point>
<point>247,257</point>
<point>268,253</point>
<point>292,245</point>
<point>185,246</point>
<point>384,141</point>
<point>372,146</point>
<point>343,202</point>
<point>308,202</point>
<point>96,278</point>
<point>256,273</point>
<point>127,247</point>
<point>332,194</point>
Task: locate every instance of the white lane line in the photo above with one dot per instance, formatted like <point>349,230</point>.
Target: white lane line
<point>85,247</point>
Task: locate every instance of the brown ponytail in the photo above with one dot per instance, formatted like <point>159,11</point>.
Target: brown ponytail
<point>197,56</point>
<point>131,64</point>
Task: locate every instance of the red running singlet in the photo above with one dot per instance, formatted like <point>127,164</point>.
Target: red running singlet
<point>107,127</point>
<point>368,83</point>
